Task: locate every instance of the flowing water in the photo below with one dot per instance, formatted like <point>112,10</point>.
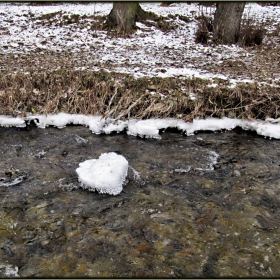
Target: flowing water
<point>207,205</point>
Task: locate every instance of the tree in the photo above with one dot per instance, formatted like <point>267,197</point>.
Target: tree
<point>123,17</point>
<point>227,20</point>
<point>166,3</point>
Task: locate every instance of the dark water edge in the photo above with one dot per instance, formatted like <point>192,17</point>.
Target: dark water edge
<point>183,216</point>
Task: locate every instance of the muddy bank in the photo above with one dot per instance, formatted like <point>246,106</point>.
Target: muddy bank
<point>200,206</point>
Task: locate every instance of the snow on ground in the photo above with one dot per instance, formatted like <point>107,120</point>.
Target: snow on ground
<point>149,52</point>
<point>105,174</point>
<point>149,128</point>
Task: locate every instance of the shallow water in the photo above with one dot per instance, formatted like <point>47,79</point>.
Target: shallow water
<point>200,206</point>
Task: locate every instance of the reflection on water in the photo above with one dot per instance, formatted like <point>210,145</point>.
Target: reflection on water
<point>200,206</point>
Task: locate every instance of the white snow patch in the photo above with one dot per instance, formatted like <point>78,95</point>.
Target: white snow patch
<point>146,128</point>
<point>136,174</point>
<point>182,170</point>
<point>80,139</point>
<point>95,123</point>
<point>150,128</point>
<point>65,186</point>
<point>41,154</point>
<point>192,96</point>
<point>213,157</point>
<point>106,174</point>
<point>143,128</point>
<point>115,127</point>
<point>9,271</point>
<point>9,183</point>
<point>10,121</point>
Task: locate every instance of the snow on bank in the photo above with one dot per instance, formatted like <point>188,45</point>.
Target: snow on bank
<point>9,121</point>
<point>106,174</point>
<point>149,128</point>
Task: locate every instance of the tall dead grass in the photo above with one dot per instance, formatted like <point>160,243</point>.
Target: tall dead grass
<point>121,96</point>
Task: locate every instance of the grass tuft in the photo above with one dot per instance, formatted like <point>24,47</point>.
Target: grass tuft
<point>251,34</point>
<point>204,27</point>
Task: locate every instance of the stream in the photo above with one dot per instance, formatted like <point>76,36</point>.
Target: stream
<point>206,205</point>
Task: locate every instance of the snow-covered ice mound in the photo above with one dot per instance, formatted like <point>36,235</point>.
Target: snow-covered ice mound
<point>106,174</point>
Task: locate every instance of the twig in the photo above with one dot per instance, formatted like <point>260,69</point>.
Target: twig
<point>131,106</point>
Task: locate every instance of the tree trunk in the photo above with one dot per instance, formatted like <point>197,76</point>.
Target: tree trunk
<point>227,20</point>
<point>166,3</point>
<point>123,16</point>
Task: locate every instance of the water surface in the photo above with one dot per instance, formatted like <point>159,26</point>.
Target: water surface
<point>200,206</point>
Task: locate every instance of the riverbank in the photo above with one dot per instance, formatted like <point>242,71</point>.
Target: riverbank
<point>121,96</point>
<point>50,64</point>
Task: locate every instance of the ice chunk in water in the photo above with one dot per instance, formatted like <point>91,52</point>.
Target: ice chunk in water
<point>106,174</point>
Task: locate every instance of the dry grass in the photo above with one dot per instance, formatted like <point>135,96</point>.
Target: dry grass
<point>248,101</point>
<point>121,96</point>
<point>204,27</point>
<point>251,33</point>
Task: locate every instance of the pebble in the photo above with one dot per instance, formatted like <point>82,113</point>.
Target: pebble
<point>237,173</point>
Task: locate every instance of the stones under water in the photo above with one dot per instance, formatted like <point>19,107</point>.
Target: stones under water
<point>200,206</point>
